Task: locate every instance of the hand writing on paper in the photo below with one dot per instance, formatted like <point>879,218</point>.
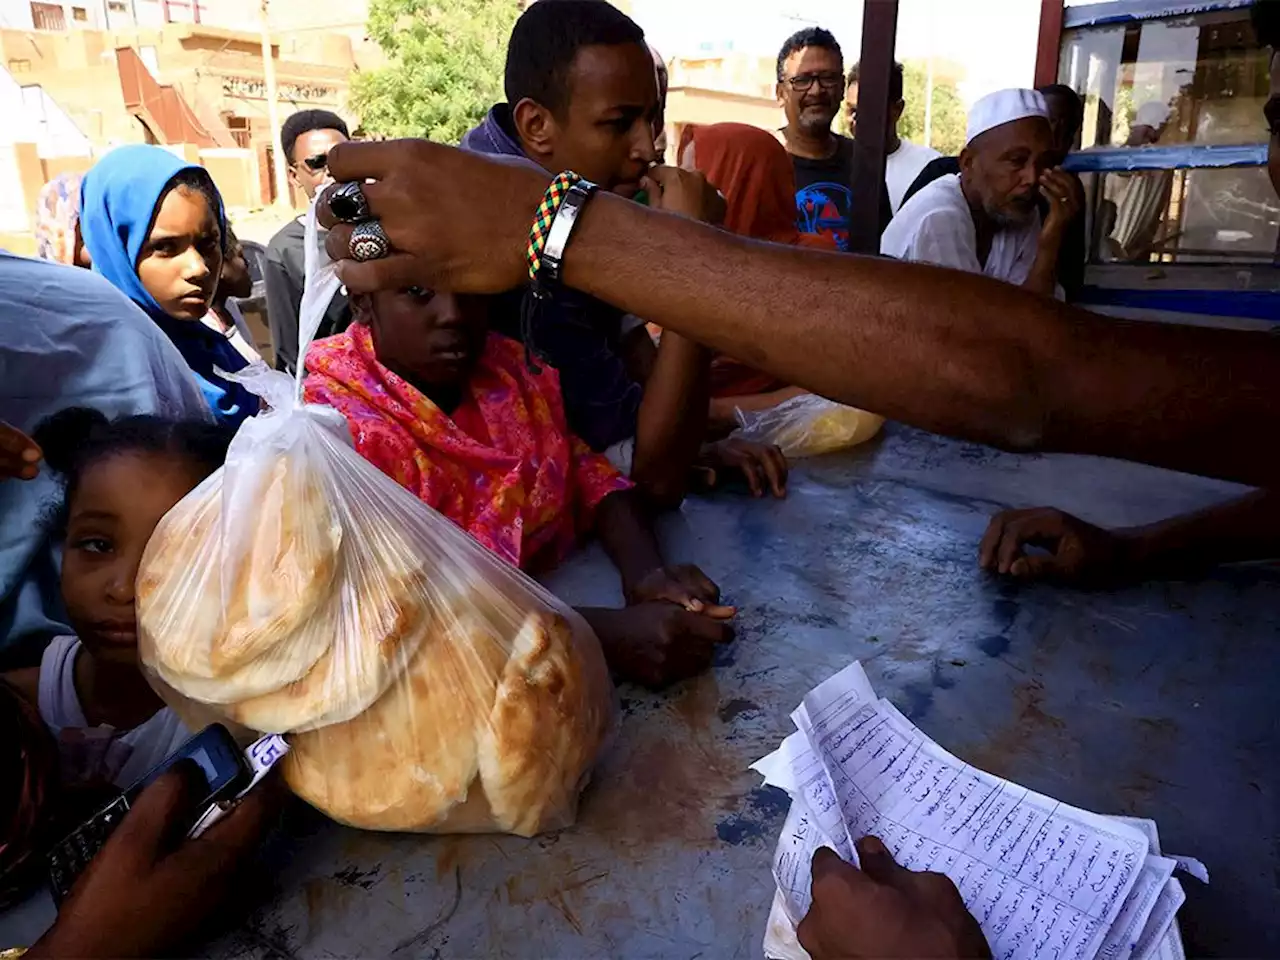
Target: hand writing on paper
<point>885,911</point>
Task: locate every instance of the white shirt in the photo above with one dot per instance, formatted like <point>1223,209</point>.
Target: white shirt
<point>124,756</point>
<point>238,336</point>
<point>936,226</point>
<point>903,166</point>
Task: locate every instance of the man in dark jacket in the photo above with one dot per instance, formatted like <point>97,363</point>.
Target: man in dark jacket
<point>582,95</point>
<point>305,141</point>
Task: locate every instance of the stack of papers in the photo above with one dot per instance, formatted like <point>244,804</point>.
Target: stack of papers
<point>1043,879</point>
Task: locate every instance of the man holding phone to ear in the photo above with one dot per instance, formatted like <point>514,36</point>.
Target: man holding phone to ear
<point>986,219</point>
<point>305,141</point>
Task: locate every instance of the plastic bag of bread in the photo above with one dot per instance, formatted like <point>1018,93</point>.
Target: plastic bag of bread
<point>809,425</point>
<point>425,684</point>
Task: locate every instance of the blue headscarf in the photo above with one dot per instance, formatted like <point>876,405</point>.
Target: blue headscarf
<point>119,199</point>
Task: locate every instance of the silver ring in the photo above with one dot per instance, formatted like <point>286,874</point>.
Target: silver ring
<point>348,204</point>
<point>369,242</point>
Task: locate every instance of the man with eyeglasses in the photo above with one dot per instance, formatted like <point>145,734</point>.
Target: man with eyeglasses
<point>305,141</point>
<point>811,90</point>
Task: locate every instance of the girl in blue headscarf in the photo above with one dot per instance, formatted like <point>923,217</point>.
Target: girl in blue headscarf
<point>154,226</point>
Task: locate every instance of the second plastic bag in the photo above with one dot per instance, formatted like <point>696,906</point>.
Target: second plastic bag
<point>809,425</point>
<point>426,685</point>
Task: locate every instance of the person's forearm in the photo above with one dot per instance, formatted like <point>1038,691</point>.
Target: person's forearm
<point>953,353</point>
<point>724,409</point>
<point>1240,530</point>
<point>1043,278</point>
<point>672,420</point>
<point>626,533</point>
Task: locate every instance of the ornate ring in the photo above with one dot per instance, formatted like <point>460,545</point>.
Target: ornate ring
<point>369,242</point>
<point>349,205</point>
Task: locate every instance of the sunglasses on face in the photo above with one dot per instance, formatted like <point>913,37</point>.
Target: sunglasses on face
<point>317,163</point>
<point>804,82</point>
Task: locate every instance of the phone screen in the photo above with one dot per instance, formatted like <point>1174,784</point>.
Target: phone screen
<point>216,754</point>
<point>202,759</point>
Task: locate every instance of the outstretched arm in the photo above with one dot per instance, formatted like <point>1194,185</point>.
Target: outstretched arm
<point>957,354</point>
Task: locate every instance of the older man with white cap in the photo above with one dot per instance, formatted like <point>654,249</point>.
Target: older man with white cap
<point>985,220</point>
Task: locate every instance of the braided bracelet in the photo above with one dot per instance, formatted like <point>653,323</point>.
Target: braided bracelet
<point>554,222</point>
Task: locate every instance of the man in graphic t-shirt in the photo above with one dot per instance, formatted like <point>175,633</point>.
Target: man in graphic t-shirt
<point>811,89</point>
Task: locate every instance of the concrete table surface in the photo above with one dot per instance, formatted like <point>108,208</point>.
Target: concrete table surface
<point>1155,701</point>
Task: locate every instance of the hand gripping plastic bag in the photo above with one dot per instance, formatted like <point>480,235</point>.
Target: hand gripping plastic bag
<point>425,684</point>
<point>809,425</point>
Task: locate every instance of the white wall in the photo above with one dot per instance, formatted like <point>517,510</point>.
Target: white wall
<point>32,116</point>
<point>15,15</point>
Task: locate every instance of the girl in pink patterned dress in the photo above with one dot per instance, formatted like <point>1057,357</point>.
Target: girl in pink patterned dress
<point>456,415</point>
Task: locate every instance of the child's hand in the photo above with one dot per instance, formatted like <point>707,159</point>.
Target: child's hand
<point>658,644</point>
<point>19,455</point>
<point>684,585</point>
<point>150,889</point>
<point>762,464</point>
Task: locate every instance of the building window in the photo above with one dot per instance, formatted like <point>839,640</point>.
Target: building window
<point>80,14</point>
<point>47,16</point>
<point>19,66</point>
<point>240,132</point>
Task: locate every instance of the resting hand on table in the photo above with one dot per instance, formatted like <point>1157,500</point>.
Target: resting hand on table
<point>150,889</point>
<point>885,911</point>
<point>762,465</point>
<point>684,585</point>
<point>19,454</point>
<point>1079,552</point>
<point>656,644</point>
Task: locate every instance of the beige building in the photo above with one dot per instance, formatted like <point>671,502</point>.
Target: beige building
<point>727,88</point>
<point>76,81</point>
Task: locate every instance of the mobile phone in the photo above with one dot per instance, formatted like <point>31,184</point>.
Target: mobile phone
<point>226,772</point>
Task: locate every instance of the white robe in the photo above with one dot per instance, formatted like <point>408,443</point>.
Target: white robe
<point>936,226</point>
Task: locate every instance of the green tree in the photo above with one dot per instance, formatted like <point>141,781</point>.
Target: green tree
<point>444,66</point>
<point>949,114</point>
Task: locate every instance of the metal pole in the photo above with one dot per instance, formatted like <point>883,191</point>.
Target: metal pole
<point>879,35</point>
<point>273,109</point>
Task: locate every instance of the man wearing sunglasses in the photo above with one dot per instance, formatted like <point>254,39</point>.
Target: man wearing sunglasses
<point>811,90</point>
<point>305,141</point>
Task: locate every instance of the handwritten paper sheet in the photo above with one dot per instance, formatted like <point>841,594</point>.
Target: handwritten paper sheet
<point>1043,878</point>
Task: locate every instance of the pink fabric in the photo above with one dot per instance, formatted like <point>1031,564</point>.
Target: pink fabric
<point>504,467</point>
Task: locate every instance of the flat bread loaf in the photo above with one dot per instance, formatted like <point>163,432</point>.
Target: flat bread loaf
<point>470,739</point>
<point>287,573</point>
<point>425,684</point>
<point>408,760</point>
<point>546,727</point>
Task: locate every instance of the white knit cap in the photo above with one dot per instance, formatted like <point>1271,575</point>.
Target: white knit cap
<point>1004,106</point>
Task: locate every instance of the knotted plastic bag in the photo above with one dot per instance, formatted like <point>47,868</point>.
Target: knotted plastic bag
<point>425,684</point>
<point>809,425</point>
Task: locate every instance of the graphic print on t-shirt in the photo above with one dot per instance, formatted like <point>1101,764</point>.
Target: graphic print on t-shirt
<point>823,208</point>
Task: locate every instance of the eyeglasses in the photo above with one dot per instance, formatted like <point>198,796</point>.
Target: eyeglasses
<point>805,81</point>
<point>317,163</point>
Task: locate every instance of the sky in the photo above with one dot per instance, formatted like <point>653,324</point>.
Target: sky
<point>993,40</point>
